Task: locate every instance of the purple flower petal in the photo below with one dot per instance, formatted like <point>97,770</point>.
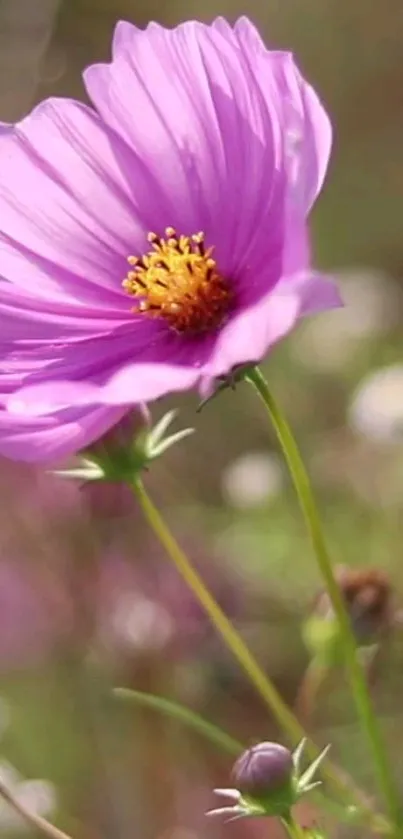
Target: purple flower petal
<point>308,132</point>
<point>62,242</point>
<point>199,128</point>
<point>249,336</point>
<point>124,387</point>
<point>54,437</point>
<point>100,370</point>
<point>316,292</point>
<point>26,319</point>
<point>204,124</point>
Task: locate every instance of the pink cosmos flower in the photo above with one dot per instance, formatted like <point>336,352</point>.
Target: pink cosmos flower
<point>158,240</point>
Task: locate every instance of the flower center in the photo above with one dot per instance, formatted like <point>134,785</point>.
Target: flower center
<point>178,280</point>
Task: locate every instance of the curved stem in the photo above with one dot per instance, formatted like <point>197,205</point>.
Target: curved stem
<point>183,715</point>
<point>308,691</point>
<point>231,637</point>
<point>309,509</point>
<point>38,823</point>
<point>341,782</point>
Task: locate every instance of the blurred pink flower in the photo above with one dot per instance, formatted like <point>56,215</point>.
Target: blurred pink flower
<point>144,607</point>
<point>34,615</point>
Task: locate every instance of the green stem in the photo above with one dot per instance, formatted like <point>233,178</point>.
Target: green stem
<point>356,675</point>
<point>183,715</point>
<point>294,830</point>
<point>340,782</point>
<point>220,621</point>
<point>309,689</point>
<point>33,820</point>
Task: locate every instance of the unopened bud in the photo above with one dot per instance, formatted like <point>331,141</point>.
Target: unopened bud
<point>263,769</point>
<point>114,446</point>
<point>268,782</point>
<point>367,596</point>
<point>115,453</point>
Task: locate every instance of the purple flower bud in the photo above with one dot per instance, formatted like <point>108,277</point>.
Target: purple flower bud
<point>263,769</point>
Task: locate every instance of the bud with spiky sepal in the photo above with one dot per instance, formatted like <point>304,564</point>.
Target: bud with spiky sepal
<point>268,782</point>
<point>265,772</point>
<point>123,454</point>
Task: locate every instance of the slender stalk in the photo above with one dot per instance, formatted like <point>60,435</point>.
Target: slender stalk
<point>183,715</point>
<point>356,675</point>
<point>339,780</point>
<point>293,829</point>
<point>308,691</point>
<point>32,819</point>
<point>231,637</point>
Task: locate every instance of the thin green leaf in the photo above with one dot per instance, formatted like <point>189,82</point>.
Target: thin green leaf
<point>183,715</point>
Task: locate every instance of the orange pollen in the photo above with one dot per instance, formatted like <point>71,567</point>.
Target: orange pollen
<point>178,280</point>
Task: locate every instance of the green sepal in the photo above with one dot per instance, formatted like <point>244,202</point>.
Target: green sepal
<point>124,462</point>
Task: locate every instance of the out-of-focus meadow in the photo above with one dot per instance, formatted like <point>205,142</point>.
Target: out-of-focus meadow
<point>88,599</point>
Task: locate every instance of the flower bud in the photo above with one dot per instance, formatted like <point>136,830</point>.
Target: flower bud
<point>127,449</point>
<point>367,596</point>
<point>268,782</point>
<point>116,444</point>
<point>115,452</point>
<point>262,770</point>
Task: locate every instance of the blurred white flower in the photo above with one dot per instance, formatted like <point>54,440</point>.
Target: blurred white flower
<point>252,479</point>
<point>140,623</point>
<point>372,305</point>
<point>376,408</point>
<point>36,796</point>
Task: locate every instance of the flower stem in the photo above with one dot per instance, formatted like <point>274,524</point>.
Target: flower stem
<point>356,675</point>
<point>313,680</point>
<point>183,715</point>
<point>293,829</point>
<point>232,639</point>
<point>339,780</point>
<point>38,823</point>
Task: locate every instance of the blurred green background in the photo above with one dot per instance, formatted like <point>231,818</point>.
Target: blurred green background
<point>88,600</point>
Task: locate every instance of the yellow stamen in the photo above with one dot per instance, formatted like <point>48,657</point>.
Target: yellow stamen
<point>178,280</point>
